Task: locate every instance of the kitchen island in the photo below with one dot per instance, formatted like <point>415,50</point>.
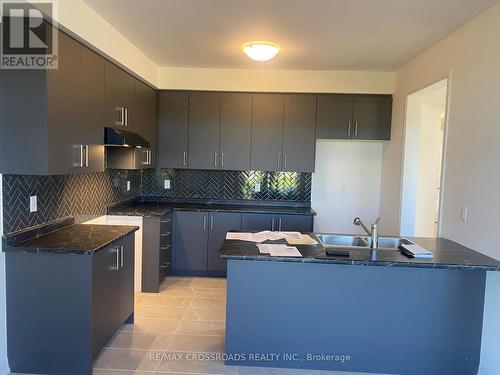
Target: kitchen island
<point>385,314</point>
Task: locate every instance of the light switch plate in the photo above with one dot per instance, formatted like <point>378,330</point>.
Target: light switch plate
<point>128,185</point>
<point>257,187</point>
<point>166,184</point>
<point>33,204</point>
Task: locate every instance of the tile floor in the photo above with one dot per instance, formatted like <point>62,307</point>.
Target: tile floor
<point>187,316</point>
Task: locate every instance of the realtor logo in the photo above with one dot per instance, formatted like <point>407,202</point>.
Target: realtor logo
<point>28,42</point>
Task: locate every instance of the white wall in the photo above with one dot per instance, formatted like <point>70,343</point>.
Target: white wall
<point>346,184</point>
<point>4,365</point>
<point>470,57</point>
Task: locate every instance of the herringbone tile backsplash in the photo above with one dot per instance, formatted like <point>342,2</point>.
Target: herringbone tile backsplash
<point>88,195</point>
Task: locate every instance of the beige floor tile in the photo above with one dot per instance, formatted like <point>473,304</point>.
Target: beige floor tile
<point>181,282</point>
<point>159,312</point>
<point>246,370</point>
<point>120,372</point>
<point>193,343</point>
<point>211,293</point>
<point>211,303</point>
<point>203,328</point>
<point>182,363</point>
<point>213,282</point>
<point>126,359</point>
<point>201,313</point>
<point>158,326</point>
<point>139,340</point>
<point>155,299</point>
<point>179,292</point>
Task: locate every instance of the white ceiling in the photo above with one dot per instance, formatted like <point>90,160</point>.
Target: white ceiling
<point>314,34</point>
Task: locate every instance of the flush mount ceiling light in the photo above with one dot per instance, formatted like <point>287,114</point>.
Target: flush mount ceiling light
<point>261,51</point>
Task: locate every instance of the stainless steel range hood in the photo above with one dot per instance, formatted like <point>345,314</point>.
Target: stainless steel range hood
<point>118,137</point>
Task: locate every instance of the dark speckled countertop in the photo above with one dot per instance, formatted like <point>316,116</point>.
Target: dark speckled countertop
<point>73,239</point>
<point>447,255</point>
<point>151,208</point>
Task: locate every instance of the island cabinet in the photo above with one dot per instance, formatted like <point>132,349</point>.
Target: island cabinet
<point>254,222</point>
<point>62,308</point>
<point>363,117</point>
<point>198,237</point>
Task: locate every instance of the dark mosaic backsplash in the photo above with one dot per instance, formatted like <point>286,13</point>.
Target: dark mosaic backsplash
<point>82,195</point>
<point>88,195</point>
<point>227,185</point>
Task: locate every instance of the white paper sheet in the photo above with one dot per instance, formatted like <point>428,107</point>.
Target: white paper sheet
<point>242,236</point>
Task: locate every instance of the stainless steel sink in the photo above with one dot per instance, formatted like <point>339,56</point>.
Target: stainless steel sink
<point>337,240</point>
<point>361,242</point>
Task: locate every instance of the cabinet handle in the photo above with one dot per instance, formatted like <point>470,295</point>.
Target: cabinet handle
<point>215,158</point>
<point>204,223</point>
<point>150,153</point>
<point>122,256</point>
<point>81,156</point>
<point>87,156</point>
<point>284,161</point>
<point>117,266</point>
<point>279,164</point>
<point>272,225</point>
<point>126,116</point>
<point>211,223</point>
<point>184,158</point>
<point>222,159</point>
<point>279,224</point>
<point>356,129</point>
<point>349,129</point>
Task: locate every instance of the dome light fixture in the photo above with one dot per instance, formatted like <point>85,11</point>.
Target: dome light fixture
<point>261,51</point>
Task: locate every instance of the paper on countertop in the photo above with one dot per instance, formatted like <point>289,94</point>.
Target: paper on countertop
<point>279,250</point>
<point>242,236</point>
<point>274,236</point>
<point>416,251</point>
<point>304,239</point>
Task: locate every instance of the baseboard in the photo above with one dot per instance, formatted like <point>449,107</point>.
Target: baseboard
<point>4,367</point>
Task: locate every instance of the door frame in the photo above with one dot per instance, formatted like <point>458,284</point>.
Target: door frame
<point>449,78</point>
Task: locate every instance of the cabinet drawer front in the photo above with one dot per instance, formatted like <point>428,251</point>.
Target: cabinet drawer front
<point>165,224</point>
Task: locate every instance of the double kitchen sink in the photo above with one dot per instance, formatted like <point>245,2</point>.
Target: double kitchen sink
<point>361,242</point>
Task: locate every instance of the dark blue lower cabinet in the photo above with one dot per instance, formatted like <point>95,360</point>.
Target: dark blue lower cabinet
<point>220,224</point>
<point>63,308</point>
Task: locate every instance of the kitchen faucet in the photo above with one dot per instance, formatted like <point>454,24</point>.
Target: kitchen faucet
<point>373,233</point>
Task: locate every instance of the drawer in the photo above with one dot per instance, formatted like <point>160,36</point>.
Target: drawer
<point>165,239</point>
<point>166,224</point>
<point>165,254</point>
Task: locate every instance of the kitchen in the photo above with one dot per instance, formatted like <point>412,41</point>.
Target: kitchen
<point>126,169</point>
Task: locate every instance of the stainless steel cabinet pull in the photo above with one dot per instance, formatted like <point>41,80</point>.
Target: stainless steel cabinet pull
<point>284,161</point>
<point>121,116</point>
<point>211,223</point>
<point>215,158</point>
<point>126,116</point>
<point>150,156</point>
<point>184,158</point>
<point>356,129</point>
<point>222,159</point>
<point>81,156</point>
<point>279,163</point>
<point>117,266</point>
<point>279,224</point>
<point>204,223</point>
<point>87,156</point>
<point>122,256</point>
<point>272,225</point>
<point>349,129</point>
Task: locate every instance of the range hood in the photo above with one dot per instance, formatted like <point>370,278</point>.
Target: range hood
<point>118,137</point>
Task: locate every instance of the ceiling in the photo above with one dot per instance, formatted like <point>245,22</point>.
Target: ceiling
<point>314,34</point>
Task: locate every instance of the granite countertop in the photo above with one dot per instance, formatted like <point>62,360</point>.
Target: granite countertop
<point>447,255</point>
<point>74,239</point>
<point>149,208</point>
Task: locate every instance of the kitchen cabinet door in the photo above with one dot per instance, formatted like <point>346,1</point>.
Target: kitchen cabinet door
<point>235,131</point>
<point>120,95</point>
<point>106,307</point>
<point>126,290</point>
<point>204,124</point>
<point>220,224</point>
<point>93,110</point>
<point>63,110</point>
<point>334,116</point>
<point>295,223</point>
<point>372,117</point>
<point>267,132</point>
<point>173,128</point>
<point>190,242</point>
<point>254,222</point>
<point>299,133</point>
<point>143,117</point>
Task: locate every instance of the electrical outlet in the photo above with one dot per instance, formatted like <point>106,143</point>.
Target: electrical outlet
<point>33,204</point>
<point>166,184</point>
<point>464,212</point>
<point>128,185</point>
<point>257,187</point>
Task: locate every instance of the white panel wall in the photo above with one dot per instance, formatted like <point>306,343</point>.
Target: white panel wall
<point>470,57</point>
<point>346,184</point>
<point>4,365</point>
